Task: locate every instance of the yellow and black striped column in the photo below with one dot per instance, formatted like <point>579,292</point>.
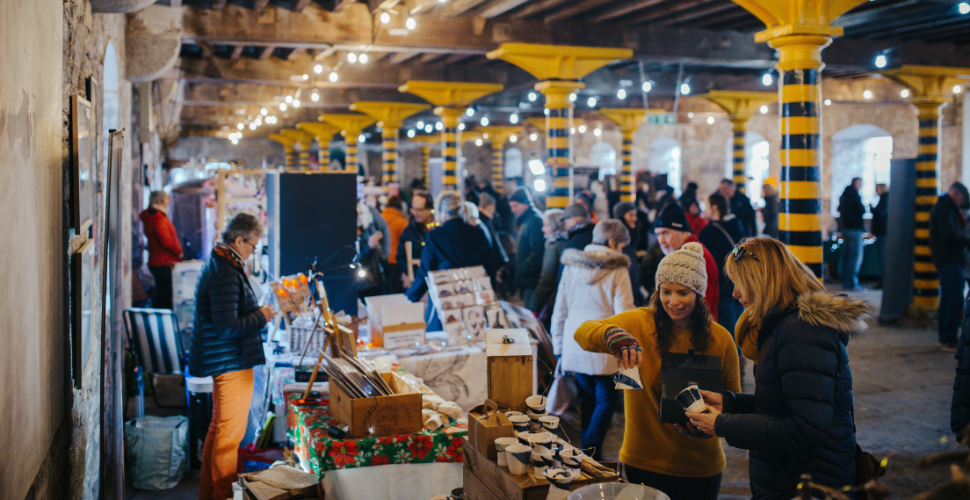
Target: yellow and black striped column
<point>800,211</point>
<point>450,118</point>
<point>425,157</point>
<point>350,154</point>
<point>389,155</point>
<point>627,186</point>
<point>498,165</point>
<point>739,173</point>
<point>557,138</point>
<point>926,280</point>
<point>304,156</point>
<point>323,156</point>
<point>291,161</point>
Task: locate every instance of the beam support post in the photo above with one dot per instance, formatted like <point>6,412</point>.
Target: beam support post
<point>288,143</point>
<point>304,139</point>
<point>498,136</point>
<point>390,117</point>
<point>351,125</point>
<point>324,133</point>
<point>931,89</point>
<point>629,121</point>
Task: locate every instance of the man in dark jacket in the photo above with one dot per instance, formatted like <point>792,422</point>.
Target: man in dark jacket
<point>530,243</point>
<point>740,207</point>
<point>226,345</point>
<point>880,223</point>
<point>719,236</point>
<point>947,242</point>
<point>579,227</point>
<point>421,218</point>
<point>851,211</point>
<point>627,212</point>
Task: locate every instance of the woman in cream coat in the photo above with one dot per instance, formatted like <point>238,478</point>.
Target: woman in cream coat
<point>595,284</point>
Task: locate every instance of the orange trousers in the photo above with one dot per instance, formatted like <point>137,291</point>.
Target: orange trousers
<point>232,394</point>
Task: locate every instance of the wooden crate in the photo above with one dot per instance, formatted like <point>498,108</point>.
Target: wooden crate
<point>380,415</point>
<point>509,368</point>
<point>485,480</point>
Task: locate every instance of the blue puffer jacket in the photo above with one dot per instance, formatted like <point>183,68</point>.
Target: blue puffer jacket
<point>799,419</point>
<point>227,321</point>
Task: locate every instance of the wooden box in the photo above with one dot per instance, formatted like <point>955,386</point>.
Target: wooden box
<point>509,367</point>
<point>380,415</point>
<point>485,425</point>
<point>483,479</point>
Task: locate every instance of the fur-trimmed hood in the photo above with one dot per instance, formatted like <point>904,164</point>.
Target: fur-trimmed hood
<point>839,312</point>
<point>595,261</point>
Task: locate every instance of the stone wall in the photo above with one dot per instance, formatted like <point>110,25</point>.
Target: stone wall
<point>250,152</point>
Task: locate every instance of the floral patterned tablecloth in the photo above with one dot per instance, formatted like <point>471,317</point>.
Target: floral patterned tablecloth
<point>307,428</point>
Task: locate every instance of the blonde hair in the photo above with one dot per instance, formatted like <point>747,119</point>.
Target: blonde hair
<point>770,277</point>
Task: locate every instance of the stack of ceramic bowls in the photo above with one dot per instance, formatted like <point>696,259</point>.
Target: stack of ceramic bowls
<point>537,409</point>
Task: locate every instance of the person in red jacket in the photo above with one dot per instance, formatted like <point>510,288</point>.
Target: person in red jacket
<point>673,231</point>
<point>164,249</point>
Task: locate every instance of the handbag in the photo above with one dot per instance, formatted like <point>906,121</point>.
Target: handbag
<point>563,393</point>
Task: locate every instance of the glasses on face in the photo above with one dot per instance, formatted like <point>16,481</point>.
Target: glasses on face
<point>739,251</point>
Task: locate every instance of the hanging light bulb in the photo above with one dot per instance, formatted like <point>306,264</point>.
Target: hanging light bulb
<point>438,126</point>
<point>484,121</point>
<point>272,120</point>
<point>646,86</point>
<point>258,121</point>
<point>533,96</point>
<point>764,109</point>
<point>533,136</point>
<point>411,134</point>
<point>362,273</point>
<point>333,76</point>
<point>363,58</point>
<point>318,68</point>
<point>957,89</point>
<point>880,61</point>
<point>572,130</point>
<point>263,111</point>
<point>710,120</point>
<point>252,126</point>
<point>314,96</point>
<point>690,115</point>
<point>485,136</point>
<point>963,8</point>
<point>621,94</point>
<point>288,99</point>
<point>514,118</point>
<point>867,94</point>
<point>582,129</point>
<point>572,97</point>
<point>296,103</point>
<point>428,128</point>
<point>545,111</point>
<point>591,102</point>
<point>513,138</point>
<point>361,138</point>
<point>540,185</point>
<point>410,23</point>
<point>240,126</point>
<point>597,132</point>
<point>684,88</point>
<point>478,142</point>
<point>351,57</point>
<point>282,106</point>
<point>767,79</point>
<point>904,93</point>
<point>385,17</point>
<point>470,112</point>
<point>828,102</point>
<point>461,126</point>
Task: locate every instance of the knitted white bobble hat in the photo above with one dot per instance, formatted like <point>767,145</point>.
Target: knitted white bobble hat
<point>685,267</point>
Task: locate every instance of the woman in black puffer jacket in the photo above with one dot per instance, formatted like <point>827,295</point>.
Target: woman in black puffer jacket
<point>226,345</point>
<point>799,420</point>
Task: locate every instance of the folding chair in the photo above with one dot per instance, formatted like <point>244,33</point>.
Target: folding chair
<point>156,343</point>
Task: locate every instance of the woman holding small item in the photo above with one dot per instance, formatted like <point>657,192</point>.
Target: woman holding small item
<point>799,420</point>
<point>681,462</point>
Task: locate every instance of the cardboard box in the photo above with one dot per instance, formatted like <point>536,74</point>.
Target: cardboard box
<point>379,415</point>
<point>395,321</point>
<point>486,424</point>
<point>509,367</point>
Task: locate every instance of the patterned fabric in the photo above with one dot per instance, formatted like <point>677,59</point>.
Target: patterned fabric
<point>155,336</point>
<point>307,428</point>
<point>229,254</point>
<point>618,340</point>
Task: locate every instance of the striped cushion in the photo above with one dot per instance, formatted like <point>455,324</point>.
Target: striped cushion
<point>155,335</point>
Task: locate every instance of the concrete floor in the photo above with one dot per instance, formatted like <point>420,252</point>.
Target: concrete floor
<point>902,383</point>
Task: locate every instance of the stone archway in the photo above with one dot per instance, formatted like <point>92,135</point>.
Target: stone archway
<point>863,151</point>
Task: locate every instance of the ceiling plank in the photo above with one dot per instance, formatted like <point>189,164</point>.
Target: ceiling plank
<point>207,49</point>
<point>538,8</point>
<point>400,57</point>
<point>576,9</point>
<point>874,14</point>
<point>499,7</point>
<point>427,58</point>
<point>237,52</point>
<point>266,52</point>
<point>624,9</point>
<point>297,52</point>
<point>218,4</point>
<point>459,7</point>
<point>259,5</point>
<point>300,5</point>
<point>664,10</point>
<point>698,13</point>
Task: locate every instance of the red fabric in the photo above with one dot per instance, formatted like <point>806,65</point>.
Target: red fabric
<point>396,223</point>
<point>164,248</point>
<point>711,296</point>
<point>697,222</point>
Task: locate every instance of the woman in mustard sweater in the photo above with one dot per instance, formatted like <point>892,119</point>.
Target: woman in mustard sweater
<point>681,462</point>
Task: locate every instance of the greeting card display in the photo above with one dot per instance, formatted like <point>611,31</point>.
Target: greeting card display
<point>464,300</point>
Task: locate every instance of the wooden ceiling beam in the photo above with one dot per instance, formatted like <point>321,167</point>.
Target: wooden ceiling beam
<point>573,10</point>
<point>300,5</point>
<point>538,8</point>
<point>699,13</point>
<point>458,7</point>
<point>665,10</point>
<point>498,7</point>
<point>428,58</point>
<point>400,57</point>
<point>236,52</point>
<point>295,53</point>
<point>266,52</point>
<point>623,9</point>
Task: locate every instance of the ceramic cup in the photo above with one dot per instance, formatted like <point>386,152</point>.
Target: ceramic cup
<point>520,423</point>
<point>559,480</point>
<point>541,460</point>
<point>572,459</point>
<point>535,425</point>
<point>500,445</point>
<point>549,423</point>
<point>512,413</point>
<point>542,439</point>
<point>536,403</point>
<point>518,456</point>
<point>690,398</point>
<point>523,438</point>
<point>628,378</point>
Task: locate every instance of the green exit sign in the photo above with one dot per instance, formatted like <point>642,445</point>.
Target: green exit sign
<point>662,118</point>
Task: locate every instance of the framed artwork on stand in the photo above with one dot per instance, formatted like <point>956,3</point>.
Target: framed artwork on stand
<point>83,319</point>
